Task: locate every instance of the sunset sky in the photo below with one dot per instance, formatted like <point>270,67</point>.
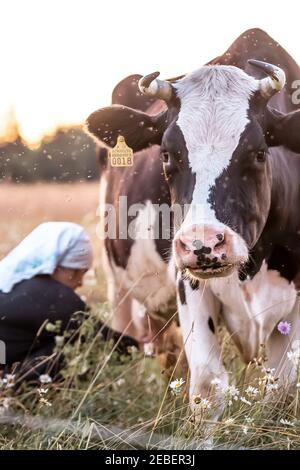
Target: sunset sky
<point>61,58</point>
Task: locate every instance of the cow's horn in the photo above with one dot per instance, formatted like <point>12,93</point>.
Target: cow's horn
<point>275,80</point>
<point>152,86</point>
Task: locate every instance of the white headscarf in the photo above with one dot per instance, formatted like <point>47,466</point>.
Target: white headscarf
<point>49,245</point>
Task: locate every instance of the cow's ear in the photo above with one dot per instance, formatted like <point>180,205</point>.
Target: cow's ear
<point>139,129</point>
<point>282,129</point>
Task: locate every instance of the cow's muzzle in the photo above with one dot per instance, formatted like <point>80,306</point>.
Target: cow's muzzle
<point>207,251</point>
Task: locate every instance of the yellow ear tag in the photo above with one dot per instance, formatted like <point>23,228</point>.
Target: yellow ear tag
<point>121,154</point>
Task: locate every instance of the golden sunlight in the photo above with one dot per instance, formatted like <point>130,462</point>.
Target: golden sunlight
<point>61,58</point>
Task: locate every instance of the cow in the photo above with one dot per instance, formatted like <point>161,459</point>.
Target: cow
<point>222,141</point>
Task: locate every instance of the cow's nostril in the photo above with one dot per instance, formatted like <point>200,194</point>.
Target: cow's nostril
<point>221,239</point>
<point>197,244</point>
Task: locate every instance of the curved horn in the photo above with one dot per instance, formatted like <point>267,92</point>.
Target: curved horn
<point>275,80</point>
<point>152,86</point>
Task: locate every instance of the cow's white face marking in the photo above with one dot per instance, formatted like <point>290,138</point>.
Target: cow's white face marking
<point>213,115</point>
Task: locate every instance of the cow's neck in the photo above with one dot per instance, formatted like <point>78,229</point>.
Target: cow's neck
<point>283,224</point>
<point>284,212</point>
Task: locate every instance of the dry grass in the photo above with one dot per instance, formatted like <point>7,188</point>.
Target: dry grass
<point>22,207</point>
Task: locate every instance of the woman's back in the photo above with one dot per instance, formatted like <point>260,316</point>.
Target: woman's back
<point>30,304</point>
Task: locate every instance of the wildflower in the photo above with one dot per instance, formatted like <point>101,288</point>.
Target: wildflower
<point>6,403</point>
<point>298,385</point>
<point>149,350</point>
<point>216,382</point>
<point>231,391</point>
<point>205,404</point>
<point>284,327</point>
<point>54,327</point>
<point>294,356</point>
<point>43,401</point>
<point>244,400</point>
<point>59,340</point>
<point>268,371</point>
<point>251,391</point>
<point>249,420</point>
<point>229,421</point>
<point>45,379</point>
<point>120,382</point>
<point>202,403</point>
<point>51,327</point>
<point>271,387</point>
<point>245,429</point>
<point>176,386</point>
<point>42,391</point>
<point>132,349</point>
<point>286,422</point>
<point>9,380</point>
<point>269,379</point>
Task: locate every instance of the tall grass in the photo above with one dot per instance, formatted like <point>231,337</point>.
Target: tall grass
<point>110,401</point>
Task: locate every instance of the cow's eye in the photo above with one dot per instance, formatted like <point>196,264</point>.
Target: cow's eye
<point>261,155</point>
<point>165,157</point>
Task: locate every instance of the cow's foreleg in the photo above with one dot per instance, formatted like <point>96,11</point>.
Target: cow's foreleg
<point>122,312</point>
<point>198,313</point>
<point>119,298</point>
<point>131,317</point>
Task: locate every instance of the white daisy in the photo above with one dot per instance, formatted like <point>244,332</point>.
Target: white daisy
<point>45,379</point>
<point>251,391</point>
<point>176,386</point>
<point>286,422</point>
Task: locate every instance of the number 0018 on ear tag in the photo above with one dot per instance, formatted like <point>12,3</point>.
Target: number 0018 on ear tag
<point>121,154</point>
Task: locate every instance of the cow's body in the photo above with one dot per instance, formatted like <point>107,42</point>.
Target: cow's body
<point>143,281</point>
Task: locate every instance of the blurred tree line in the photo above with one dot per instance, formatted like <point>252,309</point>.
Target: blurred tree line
<point>68,155</point>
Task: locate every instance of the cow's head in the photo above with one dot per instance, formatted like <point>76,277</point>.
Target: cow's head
<point>214,139</point>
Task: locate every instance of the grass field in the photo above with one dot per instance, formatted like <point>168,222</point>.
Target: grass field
<point>108,401</point>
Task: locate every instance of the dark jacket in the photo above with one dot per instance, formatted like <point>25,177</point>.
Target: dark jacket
<point>25,311</point>
<point>27,307</point>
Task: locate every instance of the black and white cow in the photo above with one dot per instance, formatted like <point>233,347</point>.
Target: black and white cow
<point>224,140</point>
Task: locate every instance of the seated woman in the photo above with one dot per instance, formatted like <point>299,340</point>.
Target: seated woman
<point>37,285</point>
